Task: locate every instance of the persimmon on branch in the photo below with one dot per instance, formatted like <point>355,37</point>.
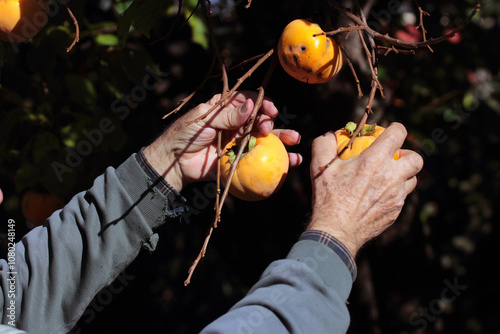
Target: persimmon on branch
<point>219,105</point>
<point>369,40</point>
<point>394,45</point>
<point>220,199</point>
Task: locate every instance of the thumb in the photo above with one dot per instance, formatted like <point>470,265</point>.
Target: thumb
<point>230,118</point>
<point>323,150</point>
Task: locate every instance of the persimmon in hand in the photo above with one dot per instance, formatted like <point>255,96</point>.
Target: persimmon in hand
<point>22,19</point>
<point>307,54</point>
<point>261,170</point>
<point>364,139</point>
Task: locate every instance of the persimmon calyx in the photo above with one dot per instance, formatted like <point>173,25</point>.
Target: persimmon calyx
<point>367,130</point>
<point>233,152</point>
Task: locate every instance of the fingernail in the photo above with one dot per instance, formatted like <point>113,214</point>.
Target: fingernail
<point>243,107</point>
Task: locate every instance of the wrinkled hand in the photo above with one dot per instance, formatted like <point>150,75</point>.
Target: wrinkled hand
<point>187,151</point>
<point>357,199</point>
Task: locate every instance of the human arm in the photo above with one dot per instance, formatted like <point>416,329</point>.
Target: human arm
<point>81,249</point>
<point>353,202</point>
<point>63,264</point>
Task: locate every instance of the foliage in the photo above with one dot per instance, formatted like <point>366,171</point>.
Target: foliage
<point>66,116</point>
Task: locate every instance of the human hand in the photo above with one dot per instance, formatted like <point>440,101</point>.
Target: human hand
<point>357,199</point>
<point>187,151</point>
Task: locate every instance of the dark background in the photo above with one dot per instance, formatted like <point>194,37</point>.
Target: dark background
<point>448,99</point>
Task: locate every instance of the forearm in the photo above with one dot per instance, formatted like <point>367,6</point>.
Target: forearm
<point>63,264</point>
<point>304,293</point>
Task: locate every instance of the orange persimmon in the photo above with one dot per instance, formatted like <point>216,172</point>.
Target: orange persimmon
<point>307,54</point>
<point>364,139</point>
<point>261,170</point>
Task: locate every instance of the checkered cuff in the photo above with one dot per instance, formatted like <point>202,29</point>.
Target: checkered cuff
<point>335,245</point>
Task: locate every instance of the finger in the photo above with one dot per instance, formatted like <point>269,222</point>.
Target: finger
<point>230,117</point>
<point>288,137</point>
<point>323,150</point>
<point>267,107</point>
<point>410,185</point>
<point>264,124</point>
<point>410,162</point>
<point>295,159</point>
<point>389,142</point>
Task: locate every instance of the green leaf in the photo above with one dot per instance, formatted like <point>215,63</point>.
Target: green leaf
<point>251,143</point>
<point>232,156</point>
<point>199,29</point>
<point>123,27</point>
<point>143,14</point>
<point>107,40</point>
<point>350,128</point>
<point>81,90</point>
<point>26,176</point>
<point>369,129</point>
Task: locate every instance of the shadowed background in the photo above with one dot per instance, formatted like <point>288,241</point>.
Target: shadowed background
<point>65,117</point>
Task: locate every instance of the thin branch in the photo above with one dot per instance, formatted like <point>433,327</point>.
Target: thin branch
<point>421,24</point>
<point>174,23</point>
<point>246,137</point>
<point>248,128</point>
<point>405,44</point>
<point>77,29</point>
<point>185,100</point>
<point>353,71</point>
<point>201,254</point>
<point>217,196</point>
<point>220,103</point>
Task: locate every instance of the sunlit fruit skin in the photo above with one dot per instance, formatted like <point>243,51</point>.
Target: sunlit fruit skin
<point>36,206</point>
<point>22,19</point>
<point>308,57</point>
<point>359,144</point>
<point>261,172</point>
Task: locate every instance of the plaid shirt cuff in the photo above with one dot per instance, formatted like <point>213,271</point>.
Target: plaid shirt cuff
<point>335,245</point>
<point>176,202</point>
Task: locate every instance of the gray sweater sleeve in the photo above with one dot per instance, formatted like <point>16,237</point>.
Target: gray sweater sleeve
<point>304,293</point>
<point>60,266</point>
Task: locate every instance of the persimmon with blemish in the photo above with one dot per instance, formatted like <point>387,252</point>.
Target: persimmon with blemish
<point>307,54</point>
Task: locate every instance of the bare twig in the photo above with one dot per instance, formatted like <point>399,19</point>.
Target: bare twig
<point>421,24</point>
<point>185,100</point>
<point>174,24</point>
<point>404,44</point>
<point>248,129</point>
<point>77,29</point>
<point>244,142</point>
<point>220,103</point>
